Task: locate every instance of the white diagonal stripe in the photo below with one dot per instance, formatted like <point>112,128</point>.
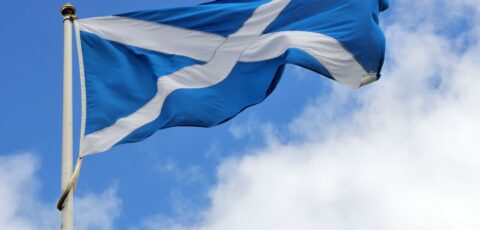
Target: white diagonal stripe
<point>328,51</point>
<point>196,76</point>
<point>201,46</point>
<point>154,36</point>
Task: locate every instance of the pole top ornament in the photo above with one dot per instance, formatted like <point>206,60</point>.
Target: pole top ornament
<point>68,11</point>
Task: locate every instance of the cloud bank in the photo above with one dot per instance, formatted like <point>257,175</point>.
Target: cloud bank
<point>21,208</point>
<point>403,153</point>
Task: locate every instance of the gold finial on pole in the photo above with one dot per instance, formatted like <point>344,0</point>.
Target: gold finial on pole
<point>68,11</point>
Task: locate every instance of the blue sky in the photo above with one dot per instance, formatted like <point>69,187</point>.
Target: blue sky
<point>413,142</point>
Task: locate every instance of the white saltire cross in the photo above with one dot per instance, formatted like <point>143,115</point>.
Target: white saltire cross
<point>220,54</point>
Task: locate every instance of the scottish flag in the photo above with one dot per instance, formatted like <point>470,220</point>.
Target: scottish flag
<point>202,65</point>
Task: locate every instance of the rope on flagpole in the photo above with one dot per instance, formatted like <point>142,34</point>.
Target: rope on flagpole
<point>71,184</point>
<point>70,188</point>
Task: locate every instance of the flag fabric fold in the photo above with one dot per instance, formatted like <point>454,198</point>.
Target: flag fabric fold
<point>202,65</point>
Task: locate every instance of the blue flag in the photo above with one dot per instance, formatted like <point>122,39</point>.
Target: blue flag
<point>202,65</point>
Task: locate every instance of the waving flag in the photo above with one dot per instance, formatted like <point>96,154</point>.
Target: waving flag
<point>202,65</point>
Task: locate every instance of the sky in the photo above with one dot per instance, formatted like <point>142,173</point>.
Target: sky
<point>402,153</point>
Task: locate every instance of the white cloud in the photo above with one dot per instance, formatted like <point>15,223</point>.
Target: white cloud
<point>189,175</point>
<point>246,129</point>
<point>407,157</point>
<point>21,208</point>
<point>97,211</point>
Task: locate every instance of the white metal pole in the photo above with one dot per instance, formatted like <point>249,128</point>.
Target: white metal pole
<point>68,13</point>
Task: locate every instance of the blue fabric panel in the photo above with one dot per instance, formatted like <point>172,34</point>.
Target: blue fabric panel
<point>220,19</point>
<point>354,23</point>
<point>384,4</point>
<point>229,1</point>
<point>305,60</point>
<point>121,79</point>
<point>248,84</point>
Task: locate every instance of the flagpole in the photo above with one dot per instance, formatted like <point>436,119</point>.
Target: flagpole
<point>68,13</point>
